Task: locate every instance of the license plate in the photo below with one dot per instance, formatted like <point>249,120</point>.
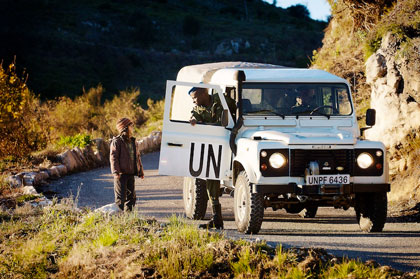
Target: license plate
<point>328,179</point>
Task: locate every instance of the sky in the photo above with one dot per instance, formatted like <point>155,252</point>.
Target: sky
<point>319,9</point>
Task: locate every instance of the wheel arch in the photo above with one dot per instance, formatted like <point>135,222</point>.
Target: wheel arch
<point>238,166</point>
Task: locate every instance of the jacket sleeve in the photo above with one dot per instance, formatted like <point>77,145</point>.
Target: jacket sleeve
<point>114,157</point>
<point>138,158</point>
<point>141,172</point>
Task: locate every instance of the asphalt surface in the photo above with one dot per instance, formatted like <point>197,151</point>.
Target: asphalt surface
<point>335,230</point>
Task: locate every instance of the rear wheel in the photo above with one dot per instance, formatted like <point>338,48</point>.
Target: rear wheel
<point>195,198</point>
<point>248,206</point>
<point>371,211</point>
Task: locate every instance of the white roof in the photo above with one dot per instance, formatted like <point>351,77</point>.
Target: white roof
<point>224,73</point>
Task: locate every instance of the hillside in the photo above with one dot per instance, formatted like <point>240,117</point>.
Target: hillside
<point>375,46</point>
<point>70,45</point>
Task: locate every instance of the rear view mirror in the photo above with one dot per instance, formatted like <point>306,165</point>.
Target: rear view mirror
<point>225,118</point>
<point>370,117</point>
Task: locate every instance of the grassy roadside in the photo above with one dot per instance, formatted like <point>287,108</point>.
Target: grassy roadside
<point>62,242</point>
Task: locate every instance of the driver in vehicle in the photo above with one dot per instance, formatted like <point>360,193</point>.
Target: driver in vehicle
<point>305,101</point>
<point>208,109</point>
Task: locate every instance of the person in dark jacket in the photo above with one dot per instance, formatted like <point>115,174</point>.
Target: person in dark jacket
<point>125,164</point>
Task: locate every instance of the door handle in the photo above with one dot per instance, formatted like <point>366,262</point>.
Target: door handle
<point>175,144</point>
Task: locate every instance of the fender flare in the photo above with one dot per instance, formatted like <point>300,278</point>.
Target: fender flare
<point>240,164</point>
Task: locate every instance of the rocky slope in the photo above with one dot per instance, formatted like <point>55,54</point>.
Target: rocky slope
<point>376,46</point>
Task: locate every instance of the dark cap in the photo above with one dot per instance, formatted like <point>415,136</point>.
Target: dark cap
<point>195,89</point>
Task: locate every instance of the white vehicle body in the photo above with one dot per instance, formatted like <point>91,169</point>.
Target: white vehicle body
<point>315,146</point>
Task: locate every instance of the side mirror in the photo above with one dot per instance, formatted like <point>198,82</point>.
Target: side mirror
<point>370,117</point>
<point>225,118</point>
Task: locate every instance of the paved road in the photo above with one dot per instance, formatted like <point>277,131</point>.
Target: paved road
<point>336,230</point>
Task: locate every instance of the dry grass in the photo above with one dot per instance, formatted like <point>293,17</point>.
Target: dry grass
<point>62,242</point>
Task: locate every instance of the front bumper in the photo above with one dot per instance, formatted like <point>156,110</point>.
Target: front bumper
<point>343,189</point>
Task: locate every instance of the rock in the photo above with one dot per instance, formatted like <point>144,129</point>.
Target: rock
<point>32,179</point>
<point>102,151</point>
<point>69,160</point>
<point>79,158</point>
<point>15,181</point>
<point>140,145</point>
<point>89,157</point>
<point>396,104</point>
<point>29,190</point>
<point>53,172</point>
<point>62,170</point>
<point>43,175</point>
<point>83,160</point>
<point>110,209</point>
<point>375,67</point>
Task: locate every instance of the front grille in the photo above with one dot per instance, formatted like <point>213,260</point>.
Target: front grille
<point>328,161</point>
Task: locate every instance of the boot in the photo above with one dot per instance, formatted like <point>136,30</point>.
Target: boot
<point>216,220</point>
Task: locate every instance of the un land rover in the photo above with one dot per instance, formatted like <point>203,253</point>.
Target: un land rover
<point>293,143</point>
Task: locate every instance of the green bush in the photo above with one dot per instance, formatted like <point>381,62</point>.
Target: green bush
<point>79,140</point>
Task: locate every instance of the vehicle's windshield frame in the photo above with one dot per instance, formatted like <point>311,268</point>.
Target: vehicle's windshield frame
<point>339,93</point>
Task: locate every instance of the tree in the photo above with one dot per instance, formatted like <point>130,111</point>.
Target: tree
<point>299,11</point>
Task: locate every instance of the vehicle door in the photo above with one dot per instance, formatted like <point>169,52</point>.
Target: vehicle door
<point>200,151</point>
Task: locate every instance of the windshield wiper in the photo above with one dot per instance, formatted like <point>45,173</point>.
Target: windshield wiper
<point>267,110</point>
<point>321,113</point>
<point>311,112</point>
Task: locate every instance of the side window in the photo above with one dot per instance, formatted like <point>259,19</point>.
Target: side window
<point>203,104</point>
<point>181,104</point>
<point>344,106</point>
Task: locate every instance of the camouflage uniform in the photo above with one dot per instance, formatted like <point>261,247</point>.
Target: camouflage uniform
<point>212,115</point>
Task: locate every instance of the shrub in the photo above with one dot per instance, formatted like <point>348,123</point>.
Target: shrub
<point>79,140</point>
<point>299,11</point>
<point>68,117</point>
<point>123,105</point>
<point>19,130</point>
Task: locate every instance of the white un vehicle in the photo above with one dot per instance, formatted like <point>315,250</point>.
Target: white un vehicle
<point>277,150</point>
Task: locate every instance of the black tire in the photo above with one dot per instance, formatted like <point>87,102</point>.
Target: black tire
<point>371,211</point>
<point>309,212</point>
<point>248,207</point>
<point>195,198</point>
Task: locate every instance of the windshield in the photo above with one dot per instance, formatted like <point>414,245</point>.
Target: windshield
<point>296,99</point>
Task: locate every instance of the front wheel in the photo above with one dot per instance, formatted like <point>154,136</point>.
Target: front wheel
<point>248,206</point>
<point>195,198</point>
<point>371,211</point>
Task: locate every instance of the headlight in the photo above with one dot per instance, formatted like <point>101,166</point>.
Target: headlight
<point>277,160</point>
<point>364,160</point>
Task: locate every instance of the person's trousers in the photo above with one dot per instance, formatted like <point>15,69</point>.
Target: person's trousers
<point>213,191</point>
<point>124,190</point>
